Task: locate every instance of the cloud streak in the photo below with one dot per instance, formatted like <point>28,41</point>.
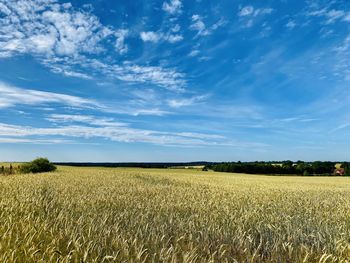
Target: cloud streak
<point>248,11</point>
<point>249,14</point>
<point>12,96</point>
<point>88,126</point>
<point>177,103</point>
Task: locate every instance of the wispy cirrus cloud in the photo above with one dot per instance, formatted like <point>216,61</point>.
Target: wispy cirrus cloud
<point>249,14</point>
<point>177,103</point>
<point>201,28</point>
<point>167,78</point>
<point>88,126</point>
<point>34,141</point>
<point>291,24</point>
<point>68,128</point>
<point>246,11</point>
<point>68,71</point>
<point>91,120</point>
<point>194,53</point>
<point>251,11</point>
<point>340,127</point>
<point>330,14</point>
<point>11,96</point>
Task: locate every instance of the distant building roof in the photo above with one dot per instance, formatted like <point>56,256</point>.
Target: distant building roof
<point>340,171</point>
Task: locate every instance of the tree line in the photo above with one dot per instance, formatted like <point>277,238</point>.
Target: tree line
<point>135,164</point>
<point>281,168</point>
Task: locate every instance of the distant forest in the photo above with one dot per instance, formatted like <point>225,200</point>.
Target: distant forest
<point>138,164</point>
<point>282,168</point>
<point>272,167</point>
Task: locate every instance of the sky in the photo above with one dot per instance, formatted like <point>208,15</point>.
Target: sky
<point>174,80</point>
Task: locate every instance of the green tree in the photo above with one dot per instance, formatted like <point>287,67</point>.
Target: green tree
<point>39,165</point>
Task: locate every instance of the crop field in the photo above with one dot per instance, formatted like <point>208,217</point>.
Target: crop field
<point>172,215</point>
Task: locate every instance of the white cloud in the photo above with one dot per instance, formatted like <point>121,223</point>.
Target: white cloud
<point>169,79</point>
<point>250,11</point>
<point>88,119</point>
<point>106,128</point>
<point>27,134</point>
<point>291,24</point>
<point>337,55</point>
<point>67,71</point>
<point>166,78</point>
<point>199,26</point>
<point>331,15</point>
<point>204,58</point>
<point>341,65</point>
<point>11,96</point>
<point>194,53</point>
<point>334,15</point>
<point>69,41</point>
<point>43,43</point>
<point>155,37</point>
<point>200,135</point>
<point>46,28</point>
<point>218,24</point>
<point>120,45</point>
<point>150,36</point>
<point>263,11</point>
<point>177,103</point>
<point>249,14</point>
<point>154,112</point>
<point>176,28</point>
<point>174,38</point>
<point>4,9</point>
<point>246,11</point>
<point>172,7</point>
<point>33,141</point>
<point>340,127</point>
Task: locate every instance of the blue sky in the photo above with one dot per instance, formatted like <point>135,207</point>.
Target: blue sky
<point>174,80</point>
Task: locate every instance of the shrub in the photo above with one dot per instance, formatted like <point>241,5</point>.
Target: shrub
<point>39,165</point>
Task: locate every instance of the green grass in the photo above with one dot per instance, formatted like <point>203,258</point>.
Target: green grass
<point>141,215</point>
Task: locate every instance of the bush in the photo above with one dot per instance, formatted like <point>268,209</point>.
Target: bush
<point>39,165</point>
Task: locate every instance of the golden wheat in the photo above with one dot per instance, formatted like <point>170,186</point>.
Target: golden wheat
<point>139,215</point>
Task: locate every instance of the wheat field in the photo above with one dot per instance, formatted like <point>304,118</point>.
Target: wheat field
<point>154,215</point>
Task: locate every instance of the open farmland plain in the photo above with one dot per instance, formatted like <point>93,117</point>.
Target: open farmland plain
<point>154,215</point>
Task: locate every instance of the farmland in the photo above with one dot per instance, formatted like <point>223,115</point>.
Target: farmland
<point>172,215</point>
